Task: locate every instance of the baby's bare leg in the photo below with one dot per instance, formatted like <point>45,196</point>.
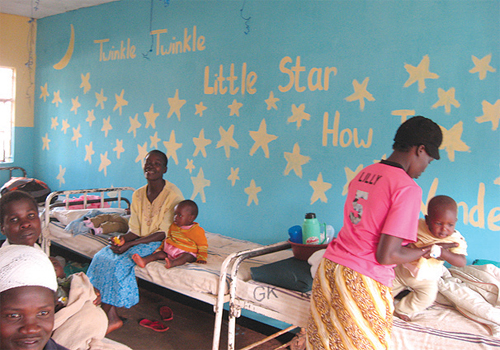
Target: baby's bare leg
<point>181,260</point>
<point>143,261</point>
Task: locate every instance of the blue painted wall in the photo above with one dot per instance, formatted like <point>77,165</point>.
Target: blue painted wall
<point>290,97</point>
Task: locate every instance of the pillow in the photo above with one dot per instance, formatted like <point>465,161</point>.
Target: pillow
<point>290,273</point>
<point>65,216</point>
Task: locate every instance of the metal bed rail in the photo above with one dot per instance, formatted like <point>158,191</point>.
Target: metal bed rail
<point>12,168</point>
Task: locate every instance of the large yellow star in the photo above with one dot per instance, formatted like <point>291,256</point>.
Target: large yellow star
<point>271,101</point>
<point>482,66</point>
<point>200,108</point>
<point>45,92</point>
<point>104,163</point>
<point>90,117</point>
<point>451,140</point>
<point>54,123</point>
<point>154,141</point>
<point>190,166</point>
<point>151,117</point>
<point>319,187</point>
<point>60,176</point>
<point>349,174</point>
<point>298,115</point>
<point>295,161</point>
<point>120,102</point>
<point>89,152</point>
<point>76,135</point>
<point>360,93</point>
<point>491,113</point>
<point>45,140</point>
<point>234,175</point>
<point>106,125</point>
<point>262,139</point>
<point>100,99</point>
<point>172,146</point>
<point>199,183</point>
<point>175,105</point>
<point>119,148</point>
<point>57,98</point>
<point>134,124</point>
<point>252,191</point>
<point>226,140</point>
<point>65,125</point>
<point>201,142</point>
<point>419,73</point>
<point>76,104</point>
<point>85,82</point>
<point>142,152</point>
<point>235,108</point>
<point>446,99</point>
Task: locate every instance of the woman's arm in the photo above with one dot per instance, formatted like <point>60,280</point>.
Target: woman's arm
<point>390,251</point>
<point>131,239</point>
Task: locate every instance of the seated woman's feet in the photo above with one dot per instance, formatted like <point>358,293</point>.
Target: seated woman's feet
<point>138,260</point>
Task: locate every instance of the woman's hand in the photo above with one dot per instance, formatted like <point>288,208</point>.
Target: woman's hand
<point>97,300</point>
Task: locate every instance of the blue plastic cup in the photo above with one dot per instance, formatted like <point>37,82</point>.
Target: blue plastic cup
<point>295,233</point>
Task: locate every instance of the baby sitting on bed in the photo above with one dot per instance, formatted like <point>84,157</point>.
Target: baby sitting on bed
<point>185,241</point>
<point>422,275</point>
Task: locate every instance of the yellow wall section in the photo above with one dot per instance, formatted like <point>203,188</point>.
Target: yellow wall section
<point>14,52</point>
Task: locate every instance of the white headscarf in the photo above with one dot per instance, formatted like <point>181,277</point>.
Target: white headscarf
<point>22,266</point>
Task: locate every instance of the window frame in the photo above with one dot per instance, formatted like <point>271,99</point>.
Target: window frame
<point>7,126</point>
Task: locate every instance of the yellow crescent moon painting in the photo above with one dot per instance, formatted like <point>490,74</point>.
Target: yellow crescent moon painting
<point>67,56</point>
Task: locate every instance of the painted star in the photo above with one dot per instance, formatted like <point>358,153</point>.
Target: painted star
<point>106,125</point>
<point>90,117</point>
<point>151,117</point>
<point>199,183</point>
<point>119,148</point>
<point>271,101</point>
<point>45,140</point>
<point>451,140</point>
<point>319,187</point>
<point>234,175</point>
<point>419,73</point>
<point>57,98</point>
<point>76,135</point>
<point>190,166</point>
<point>100,99</point>
<point>60,176</point>
<point>85,82</point>
<point>252,191</point>
<point>201,142</point>
<point>404,114</point>
<point>134,124</point>
<point>54,123</point>
<point>446,99</point>
<point>295,161</point>
<point>235,108</point>
<point>142,152</point>
<point>497,181</point>
<point>226,140</point>
<point>175,105</point>
<point>104,163</point>
<point>491,113</point>
<point>154,141</point>
<point>482,66</point>
<point>360,93</point>
<point>298,115</point>
<point>120,102</point>
<point>262,139</point>
<point>45,92</point>
<point>76,104</point>
<point>349,174</point>
<point>172,146</point>
<point>200,108</point>
<point>89,152</point>
<point>65,125</point>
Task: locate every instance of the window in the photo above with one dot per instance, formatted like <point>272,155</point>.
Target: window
<point>7,89</point>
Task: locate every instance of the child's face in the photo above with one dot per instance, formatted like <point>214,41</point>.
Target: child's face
<point>442,222</point>
<point>21,223</point>
<point>26,318</point>
<point>183,216</point>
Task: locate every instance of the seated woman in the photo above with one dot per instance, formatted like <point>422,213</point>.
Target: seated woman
<point>112,268</point>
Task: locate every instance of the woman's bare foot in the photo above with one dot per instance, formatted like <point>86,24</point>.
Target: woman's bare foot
<point>138,260</point>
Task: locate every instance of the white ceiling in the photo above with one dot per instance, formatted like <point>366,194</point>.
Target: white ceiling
<point>44,8</point>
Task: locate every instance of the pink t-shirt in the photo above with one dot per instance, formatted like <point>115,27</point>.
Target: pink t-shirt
<point>382,198</point>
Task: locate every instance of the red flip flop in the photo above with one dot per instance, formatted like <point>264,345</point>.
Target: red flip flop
<point>156,326</point>
<point>166,313</point>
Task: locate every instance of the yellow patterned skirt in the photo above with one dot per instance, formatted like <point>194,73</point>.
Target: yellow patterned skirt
<point>348,310</point>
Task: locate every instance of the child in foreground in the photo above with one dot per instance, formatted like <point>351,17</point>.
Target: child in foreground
<point>422,275</point>
<point>186,241</point>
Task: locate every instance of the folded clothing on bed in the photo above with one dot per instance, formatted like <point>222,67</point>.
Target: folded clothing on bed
<point>290,273</point>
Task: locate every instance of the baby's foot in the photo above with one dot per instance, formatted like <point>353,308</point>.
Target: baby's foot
<point>138,260</point>
<point>402,316</point>
<point>168,263</point>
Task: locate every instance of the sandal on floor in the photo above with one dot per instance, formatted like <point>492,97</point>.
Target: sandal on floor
<point>157,326</point>
<point>166,313</point>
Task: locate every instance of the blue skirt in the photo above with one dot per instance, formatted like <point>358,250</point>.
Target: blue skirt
<point>114,275</point>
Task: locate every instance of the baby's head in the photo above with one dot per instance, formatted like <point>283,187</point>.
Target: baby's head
<point>185,213</point>
<point>19,219</point>
<point>441,216</point>
<point>27,298</point>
